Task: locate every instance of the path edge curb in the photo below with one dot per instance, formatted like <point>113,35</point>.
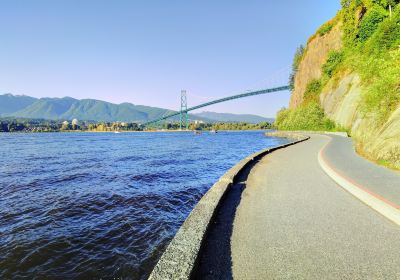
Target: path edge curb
<point>379,205</point>
<point>180,259</point>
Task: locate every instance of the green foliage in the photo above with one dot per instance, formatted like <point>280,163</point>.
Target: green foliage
<point>298,56</point>
<point>345,3</point>
<point>235,126</point>
<point>313,90</point>
<point>11,124</point>
<point>361,18</point>
<point>382,96</point>
<point>386,36</point>
<point>334,59</point>
<point>383,3</point>
<point>370,22</point>
<point>309,116</point>
<point>325,28</point>
<point>371,48</point>
<point>350,14</point>
<point>281,118</point>
<point>372,41</point>
<point>218,126</point>
<point>377,60</point>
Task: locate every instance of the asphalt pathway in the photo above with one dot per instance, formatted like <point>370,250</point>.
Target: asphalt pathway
<point>294,222</point>
<point>382,181</point>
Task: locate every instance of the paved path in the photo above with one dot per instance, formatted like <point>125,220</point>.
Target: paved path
<point>294,222</point>
<point>342,157</point>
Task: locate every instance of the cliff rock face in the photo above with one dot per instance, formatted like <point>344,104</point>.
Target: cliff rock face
<point>315,56</point>
<point>341,98</point>
<point>341,103</point>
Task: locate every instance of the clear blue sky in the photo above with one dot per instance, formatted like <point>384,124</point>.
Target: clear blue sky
<point>145,52</point>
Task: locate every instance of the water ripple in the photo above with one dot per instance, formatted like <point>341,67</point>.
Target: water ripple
<point>91,206</point>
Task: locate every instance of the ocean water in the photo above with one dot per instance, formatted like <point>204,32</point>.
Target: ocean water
<point>104,205</point>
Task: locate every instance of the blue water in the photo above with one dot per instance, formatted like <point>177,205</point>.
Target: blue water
<point>104,205</point>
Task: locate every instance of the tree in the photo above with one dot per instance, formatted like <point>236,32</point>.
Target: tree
<point>298,56</point>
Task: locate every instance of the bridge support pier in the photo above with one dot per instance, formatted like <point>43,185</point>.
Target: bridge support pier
<point>184,120</point>
<point>184,109</point>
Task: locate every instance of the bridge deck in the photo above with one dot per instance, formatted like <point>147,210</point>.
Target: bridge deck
<point>247,94</point>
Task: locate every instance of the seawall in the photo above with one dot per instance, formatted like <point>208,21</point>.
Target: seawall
<point>180,259</point>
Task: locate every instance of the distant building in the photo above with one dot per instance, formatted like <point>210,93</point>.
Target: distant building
<point>65,125</point>
<point>75,122</point>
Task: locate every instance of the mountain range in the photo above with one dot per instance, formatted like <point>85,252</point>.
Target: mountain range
<point>68,108</point>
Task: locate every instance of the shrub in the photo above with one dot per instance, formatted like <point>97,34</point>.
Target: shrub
<point>306,117</point>
<point>325,28</point>
<point>313,90</point>
<point>281,117</point>
<point>351,12</point>
<point>370,22</point>
<point>298,56</point>
<point>372,49</point>
<point>387,35</point>
<point>382,96</point>
<point>334,59</point>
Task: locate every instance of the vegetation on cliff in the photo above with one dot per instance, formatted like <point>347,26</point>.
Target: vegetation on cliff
<point>310,115</point>
<point>371,47</point>
<point>295,66</point>
<point>348,77</point>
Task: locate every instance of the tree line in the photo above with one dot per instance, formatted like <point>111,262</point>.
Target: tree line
<point>41,125</point>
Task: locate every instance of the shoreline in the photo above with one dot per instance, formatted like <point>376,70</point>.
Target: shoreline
<point>181,257</point>
<point>143,131</point>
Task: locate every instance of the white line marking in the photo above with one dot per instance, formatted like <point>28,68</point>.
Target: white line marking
<point>382,207</point>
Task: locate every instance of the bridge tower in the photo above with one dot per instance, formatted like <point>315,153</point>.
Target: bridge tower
<point>183,113</point>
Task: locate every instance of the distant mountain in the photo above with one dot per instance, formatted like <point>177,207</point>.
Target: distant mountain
<point>86,109</point>
<point>46,108</point>
<point>225,117</point>
<point>11,103</point>
<point>68,108</point>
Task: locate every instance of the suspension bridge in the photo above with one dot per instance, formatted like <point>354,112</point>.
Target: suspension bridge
<point>183,113</point>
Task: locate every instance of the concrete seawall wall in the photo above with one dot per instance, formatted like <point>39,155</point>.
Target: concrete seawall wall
<point>299,134</point>
<point>179,260</point>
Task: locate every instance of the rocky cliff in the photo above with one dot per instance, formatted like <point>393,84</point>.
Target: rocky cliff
<point>315,56</point>
<point>362,93</point>
<point>342,100</point>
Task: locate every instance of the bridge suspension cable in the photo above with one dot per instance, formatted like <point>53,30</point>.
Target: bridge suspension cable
<point>185,111</point>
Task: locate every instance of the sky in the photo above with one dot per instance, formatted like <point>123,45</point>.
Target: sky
<point>146,52</point>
